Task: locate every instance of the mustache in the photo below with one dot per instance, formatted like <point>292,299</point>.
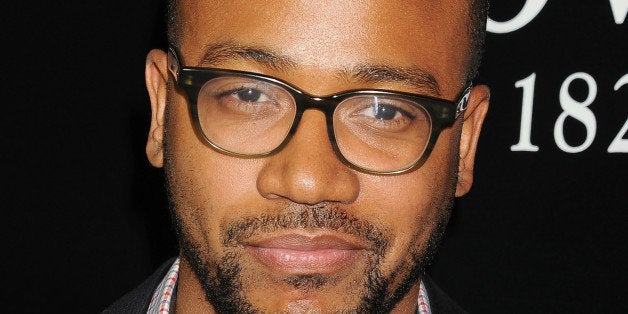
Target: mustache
<point>320,216</point>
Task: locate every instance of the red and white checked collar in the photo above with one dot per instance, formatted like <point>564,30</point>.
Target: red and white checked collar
<point>160,302</point>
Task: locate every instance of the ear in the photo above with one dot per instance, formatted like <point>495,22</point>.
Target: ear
<point>156,83</point>
<point>471,126</point>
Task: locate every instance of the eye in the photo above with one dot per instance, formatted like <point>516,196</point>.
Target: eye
<point>249,95</point>
<point>384,111</point>
<point>380,113</point>
<point>250,101</point>
<point>245,97</point>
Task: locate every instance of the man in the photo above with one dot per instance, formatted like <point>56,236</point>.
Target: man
<point>312,152</point>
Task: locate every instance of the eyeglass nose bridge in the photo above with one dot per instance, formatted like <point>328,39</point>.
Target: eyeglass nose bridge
<point>327,105</point>
<point>305,102</point>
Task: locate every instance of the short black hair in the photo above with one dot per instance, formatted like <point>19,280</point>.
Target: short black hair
<point>173,24</point>
<point>477,32</point>
<point>477,28</point>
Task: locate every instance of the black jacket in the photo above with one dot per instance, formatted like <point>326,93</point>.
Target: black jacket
<point>137,301</point>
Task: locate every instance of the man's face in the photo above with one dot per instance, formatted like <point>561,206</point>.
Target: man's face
<point>299,230</point>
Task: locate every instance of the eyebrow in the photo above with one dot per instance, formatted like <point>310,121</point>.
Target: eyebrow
<point>226,51</point>
<point>413,76</point>
<point>416,77</point>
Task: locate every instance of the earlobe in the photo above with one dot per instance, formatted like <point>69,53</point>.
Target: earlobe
<point>156,84</point>
<point>471,127</point>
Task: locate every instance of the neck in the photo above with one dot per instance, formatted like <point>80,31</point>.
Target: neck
<point>190,297</point>
<point>409,302</point>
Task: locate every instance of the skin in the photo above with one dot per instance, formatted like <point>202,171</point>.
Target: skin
<point>209,190</point>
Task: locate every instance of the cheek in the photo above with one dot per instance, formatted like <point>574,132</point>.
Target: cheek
<point>411,205</point>
<point>206,186</point>
<point>209,174</point>
<point>407,197</point>
<point>217,185</point>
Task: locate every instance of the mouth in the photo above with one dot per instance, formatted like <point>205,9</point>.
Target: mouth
<point>301,253</point>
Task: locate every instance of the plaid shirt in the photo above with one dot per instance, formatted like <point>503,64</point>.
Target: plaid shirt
<point>160,302</point>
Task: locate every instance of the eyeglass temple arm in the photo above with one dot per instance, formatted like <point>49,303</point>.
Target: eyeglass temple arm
<point>464,101</point>
<point>173,62</point>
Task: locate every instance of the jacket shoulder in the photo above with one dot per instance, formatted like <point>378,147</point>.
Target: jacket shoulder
<point>440,302</point>
<point>138,299</point>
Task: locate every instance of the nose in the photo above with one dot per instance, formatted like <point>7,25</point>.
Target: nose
<point>306,170</point>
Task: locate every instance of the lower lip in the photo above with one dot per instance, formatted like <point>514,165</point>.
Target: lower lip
<point>296,262</point>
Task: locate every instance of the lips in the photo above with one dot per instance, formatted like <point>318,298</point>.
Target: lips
<point>301,254</point>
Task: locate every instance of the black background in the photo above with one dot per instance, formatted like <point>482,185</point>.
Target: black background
<point>85,216</point>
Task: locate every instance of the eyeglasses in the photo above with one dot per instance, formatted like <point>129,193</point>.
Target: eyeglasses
<point>247,114</point>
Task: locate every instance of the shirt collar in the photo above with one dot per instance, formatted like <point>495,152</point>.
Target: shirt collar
<point>162,297</point>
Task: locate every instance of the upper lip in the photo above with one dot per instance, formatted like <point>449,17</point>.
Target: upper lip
<point>306,241</point>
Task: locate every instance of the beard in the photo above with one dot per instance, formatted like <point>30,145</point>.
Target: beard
<point>222,277</point>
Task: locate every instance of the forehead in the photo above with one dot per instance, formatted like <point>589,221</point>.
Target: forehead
<point>319,35</point>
